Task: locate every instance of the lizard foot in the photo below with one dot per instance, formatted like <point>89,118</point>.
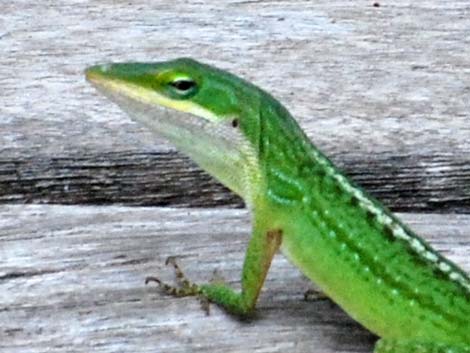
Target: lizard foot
<point>184,287</point>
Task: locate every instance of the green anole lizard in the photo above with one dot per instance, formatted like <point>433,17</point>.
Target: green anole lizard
<point>380,272</point>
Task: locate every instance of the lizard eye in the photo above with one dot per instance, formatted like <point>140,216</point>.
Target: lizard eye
<point>183,85</point>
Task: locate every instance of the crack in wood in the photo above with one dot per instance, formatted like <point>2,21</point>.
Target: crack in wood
<point>408,183</point>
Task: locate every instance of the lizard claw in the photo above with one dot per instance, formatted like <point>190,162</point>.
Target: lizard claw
<point>205,304</point>
<point>152,279</point>
<point>184,287</point>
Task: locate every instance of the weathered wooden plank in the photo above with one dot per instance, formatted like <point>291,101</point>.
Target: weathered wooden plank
<point>159,178</point>
<point>71,280</point>
<point>403,182</point>
<point>382,89</point>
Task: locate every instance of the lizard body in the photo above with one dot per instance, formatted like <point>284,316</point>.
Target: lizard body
<point>364,258</point>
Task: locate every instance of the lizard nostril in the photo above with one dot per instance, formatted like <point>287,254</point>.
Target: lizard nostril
<point>105,67</point>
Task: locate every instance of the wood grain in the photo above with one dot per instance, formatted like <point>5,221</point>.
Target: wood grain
<point>438,183</point>
<point>384,90</point>
<point>72,280</point>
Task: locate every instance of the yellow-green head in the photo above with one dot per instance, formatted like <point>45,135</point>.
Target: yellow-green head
<point>219,126</point>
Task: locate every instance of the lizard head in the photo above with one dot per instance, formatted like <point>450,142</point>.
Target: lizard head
<point>208,114</point>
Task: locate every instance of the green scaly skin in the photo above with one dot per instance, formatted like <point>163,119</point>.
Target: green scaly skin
<point>363,258</point>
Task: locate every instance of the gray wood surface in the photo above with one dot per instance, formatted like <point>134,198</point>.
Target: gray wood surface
<point>406,182</point>
<point>383,90</point>
<point>72,280</point>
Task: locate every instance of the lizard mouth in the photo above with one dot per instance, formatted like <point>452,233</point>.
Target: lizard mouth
<point>172,120</point>
<point>213,143</point>
<point>173,125</point>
